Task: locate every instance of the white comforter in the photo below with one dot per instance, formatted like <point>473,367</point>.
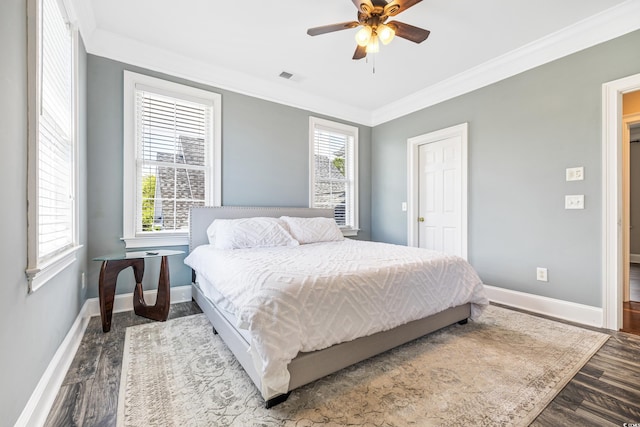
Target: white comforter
<point>313,296</point>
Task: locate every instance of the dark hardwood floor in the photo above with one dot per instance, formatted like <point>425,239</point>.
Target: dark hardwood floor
<point>605,392</point>
<point>634,282</point>
<point>631,309</point>
<point>89,392</point>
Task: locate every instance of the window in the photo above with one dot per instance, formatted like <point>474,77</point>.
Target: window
<point>52,209</point>
<point>171,158</point>
<point>333,165</point>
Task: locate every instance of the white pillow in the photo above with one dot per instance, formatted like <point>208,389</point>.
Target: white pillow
<point>258,232</point>
<point>211,232</point>
<point>313,230</point>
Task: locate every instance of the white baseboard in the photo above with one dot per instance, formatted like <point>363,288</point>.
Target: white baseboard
<point>35,412</point>
<point>565,310</point>
<point>124,302</point>
<point>634,258</point>
<point>41,400</point>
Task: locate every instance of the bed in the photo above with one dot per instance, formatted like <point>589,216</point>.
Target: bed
<point>316,303</point>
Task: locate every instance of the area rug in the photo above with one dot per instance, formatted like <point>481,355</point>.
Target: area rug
<point>500,370</point>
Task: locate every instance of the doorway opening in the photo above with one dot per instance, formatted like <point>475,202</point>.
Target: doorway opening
<point>615,220</point>
<point>631,212</point>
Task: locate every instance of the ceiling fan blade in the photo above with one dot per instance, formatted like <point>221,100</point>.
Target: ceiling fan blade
<point>364,6</point>
<point>361,52</point>
<point>333,27</point>
<point>409,32</point>
<point>396,6</point>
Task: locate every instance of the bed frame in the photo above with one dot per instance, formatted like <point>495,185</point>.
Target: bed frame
<point>306,367</point>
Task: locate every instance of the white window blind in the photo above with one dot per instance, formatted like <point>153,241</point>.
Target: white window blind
<point>172,158</point>
<point>52,229</point>
<point>172,136</point>
<point>56,153</point>
<point>334,170</point>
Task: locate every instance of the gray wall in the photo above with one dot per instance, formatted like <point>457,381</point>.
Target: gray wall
<point>523,132</point>
<point>31,326</point>
<point>264,162</point>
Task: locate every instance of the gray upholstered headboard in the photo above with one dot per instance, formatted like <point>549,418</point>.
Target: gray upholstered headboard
<point>201,217</point>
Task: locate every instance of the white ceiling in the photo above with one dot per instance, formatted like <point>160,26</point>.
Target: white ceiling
<point>244,45</point>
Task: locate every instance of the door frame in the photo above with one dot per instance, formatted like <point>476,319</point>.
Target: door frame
<point>413,144</point>
<point>612,198</point>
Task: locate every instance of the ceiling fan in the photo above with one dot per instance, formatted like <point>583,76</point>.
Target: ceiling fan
<point>372,17</point>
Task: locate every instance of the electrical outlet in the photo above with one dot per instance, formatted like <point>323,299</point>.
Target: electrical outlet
<point>541,274</point>
<point>574,201</point>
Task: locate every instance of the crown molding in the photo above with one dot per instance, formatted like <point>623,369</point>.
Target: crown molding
<point>85,18</point>
<point>607,25</point>
<point>133,52</point>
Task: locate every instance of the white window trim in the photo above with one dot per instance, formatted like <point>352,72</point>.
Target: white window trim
<point>38,273</point>
<point>131,238</point>
<point>313,121</point>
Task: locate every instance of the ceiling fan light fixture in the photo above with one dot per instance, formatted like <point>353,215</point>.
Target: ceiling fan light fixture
<point>371,18</point>
<point>385,34</point>
<point>363,36</point>
<point>373,46</point>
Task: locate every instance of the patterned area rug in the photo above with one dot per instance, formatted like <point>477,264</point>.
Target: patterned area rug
<point>501,370</point>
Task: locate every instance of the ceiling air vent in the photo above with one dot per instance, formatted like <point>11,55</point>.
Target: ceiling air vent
<point>286,75</point>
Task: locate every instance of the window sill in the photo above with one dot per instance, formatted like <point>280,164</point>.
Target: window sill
<point>38,276</point>
<point>156,241</point>
<point>349,232</point>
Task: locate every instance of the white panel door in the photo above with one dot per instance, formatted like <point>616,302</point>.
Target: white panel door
<point>440,195</point>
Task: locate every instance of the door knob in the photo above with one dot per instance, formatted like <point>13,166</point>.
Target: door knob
<point>421,219</point>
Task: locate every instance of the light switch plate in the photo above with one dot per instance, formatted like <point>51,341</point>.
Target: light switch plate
<point>575,174</point>
<point>575,201</point>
